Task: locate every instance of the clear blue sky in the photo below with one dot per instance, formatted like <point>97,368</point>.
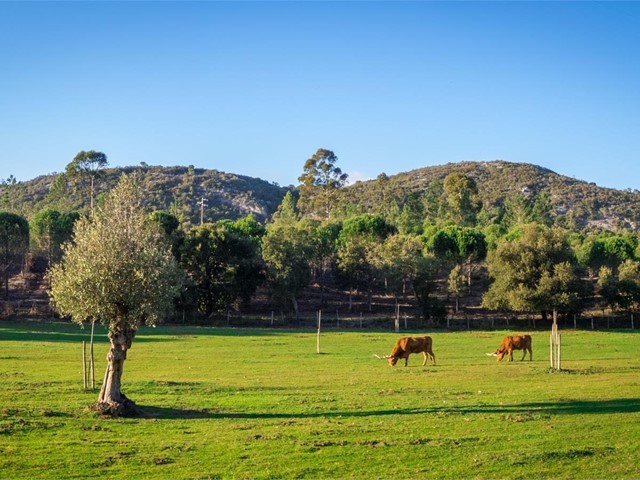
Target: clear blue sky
<point>257,88</point>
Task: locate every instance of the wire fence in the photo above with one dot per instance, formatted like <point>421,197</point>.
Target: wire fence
<point>406,322</point>
<point>335,319</point>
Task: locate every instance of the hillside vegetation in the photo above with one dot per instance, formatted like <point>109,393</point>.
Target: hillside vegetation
<point>452,239</point>
<point>576,204</point>
<point>175,189</point>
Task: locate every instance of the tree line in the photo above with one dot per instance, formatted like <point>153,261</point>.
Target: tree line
<point>440,245</point>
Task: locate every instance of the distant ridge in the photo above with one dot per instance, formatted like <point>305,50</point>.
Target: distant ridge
<point>179,189</point>
<point>587,205</point>
<point>176,189</point>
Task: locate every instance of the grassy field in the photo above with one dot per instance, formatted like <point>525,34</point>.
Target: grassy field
<point>225,403</point>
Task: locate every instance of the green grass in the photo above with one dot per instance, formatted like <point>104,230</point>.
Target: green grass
<point>225,403</point>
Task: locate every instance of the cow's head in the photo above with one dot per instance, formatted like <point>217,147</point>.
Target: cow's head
<point>499,354</point>
<point>392,360</point>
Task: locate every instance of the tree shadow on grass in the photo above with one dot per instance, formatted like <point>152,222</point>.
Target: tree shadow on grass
<point>60,331</point>
<point>568,407</point>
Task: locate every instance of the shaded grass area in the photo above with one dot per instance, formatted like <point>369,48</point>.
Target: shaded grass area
<point>227,403</point>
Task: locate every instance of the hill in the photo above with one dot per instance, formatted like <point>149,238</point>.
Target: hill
<point>576,204</point>
<point>175,189</point>
<point>580,204</point>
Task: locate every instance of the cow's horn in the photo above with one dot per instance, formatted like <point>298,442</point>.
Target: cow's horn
<point>377,356</point>
<point>493,354</point>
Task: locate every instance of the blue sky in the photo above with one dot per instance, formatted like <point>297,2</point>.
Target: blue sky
<point>256,88</point>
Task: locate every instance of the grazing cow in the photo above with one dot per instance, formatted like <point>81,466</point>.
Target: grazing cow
<point>408,345</point>
<point>511,343</point>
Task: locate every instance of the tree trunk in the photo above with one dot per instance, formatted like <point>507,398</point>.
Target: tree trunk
<point>111,400</point>
<point>294,302</point>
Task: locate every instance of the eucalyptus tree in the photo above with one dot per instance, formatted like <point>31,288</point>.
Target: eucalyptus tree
<point>287,249</point>
<point>462,199</point>
<point>118,271</point>
<point>87,164</point>
<point>319,184</point>
<point>433,202</point>
<point>516,211</point>
<point>541,209</point>
<point>14,244</point>
<point>412,216</point>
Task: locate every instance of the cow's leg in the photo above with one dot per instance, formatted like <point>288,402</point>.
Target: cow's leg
<point>511,355</point>
<point>406,360</point>
<point>524,354</point>
<point>433,357</point>
<point>424,358</point>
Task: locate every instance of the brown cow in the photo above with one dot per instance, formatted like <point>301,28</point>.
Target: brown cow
<point>408,345</point>
<point>511,343</point>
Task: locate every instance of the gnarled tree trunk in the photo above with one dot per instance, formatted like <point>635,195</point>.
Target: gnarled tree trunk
<point>111,400</point>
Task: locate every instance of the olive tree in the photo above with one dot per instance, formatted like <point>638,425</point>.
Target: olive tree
<point>118,271</point>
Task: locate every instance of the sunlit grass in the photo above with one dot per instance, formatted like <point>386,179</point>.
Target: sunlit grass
<point>225,403</point>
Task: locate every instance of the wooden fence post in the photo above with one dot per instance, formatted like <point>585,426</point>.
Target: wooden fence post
<point>318,336</point>
<point>554,343</point>
<point>84,364</point>
<point>91,357</point>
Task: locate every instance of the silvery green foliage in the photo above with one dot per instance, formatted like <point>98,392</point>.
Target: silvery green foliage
<point>118,270</point>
